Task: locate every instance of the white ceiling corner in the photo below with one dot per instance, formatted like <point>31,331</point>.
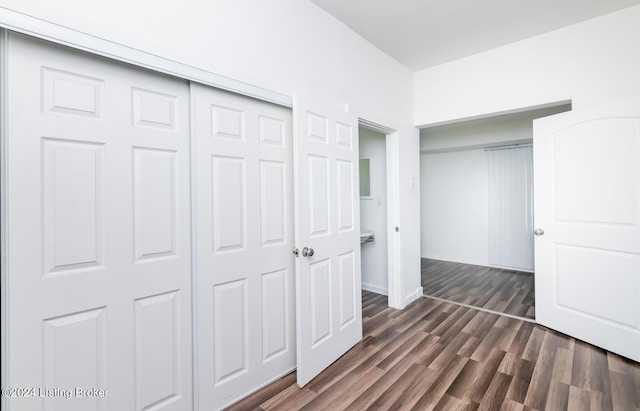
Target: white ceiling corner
<point>425,33</point>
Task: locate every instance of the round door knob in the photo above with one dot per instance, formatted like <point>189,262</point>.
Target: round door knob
<point>538,231</point>
<point>307,252</point>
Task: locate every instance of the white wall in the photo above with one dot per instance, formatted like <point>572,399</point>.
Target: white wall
<point>282,45</point>
<point>454,221</point>
<point>589,62</point>
<point>373,213</point>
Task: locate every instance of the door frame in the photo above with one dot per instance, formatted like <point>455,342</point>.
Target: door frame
<point>4,308</point>
<point>563,106</point>
<point>394,250</point>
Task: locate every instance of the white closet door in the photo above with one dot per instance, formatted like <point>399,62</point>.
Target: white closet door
<point>511,208</point>
<point>244,228</point>
<point>328,290</point>
<point>98,232</point>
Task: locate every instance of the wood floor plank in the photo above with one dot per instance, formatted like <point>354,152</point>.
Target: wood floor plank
<point>347,389</point>
<point>497,390</point>
<point>480,384</point>
<point>375,390</point>
<point>292,398</point>
<point>510,405</point>
<point>476,360</point>
<point>521,380</point>
<point>558,396</point>
<point>265,394</point>
<point>346,364</point>
<point>403,391</point>
<point>562,366</point>
<point>540,380</point>
<point>449,403</point>
<point>579,399</point>
<point>432,395</point>
<point>622,392</point>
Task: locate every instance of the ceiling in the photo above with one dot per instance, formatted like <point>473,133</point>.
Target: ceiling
<point>425,33</point>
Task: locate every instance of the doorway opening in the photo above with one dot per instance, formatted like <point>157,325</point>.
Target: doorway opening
<point>476,211</point>
<point>373,210</point>
<point>379,208</point>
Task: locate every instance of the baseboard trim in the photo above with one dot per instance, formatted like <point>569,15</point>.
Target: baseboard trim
<point>413,296</point>
<point>375,289</point>
<point>258,388</point>
<point>520,270</point>
<point>480,264</point>
<point>455,260</point>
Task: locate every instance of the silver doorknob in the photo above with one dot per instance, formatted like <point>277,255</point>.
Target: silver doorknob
<point>307,252</point>
<point>538,231</point>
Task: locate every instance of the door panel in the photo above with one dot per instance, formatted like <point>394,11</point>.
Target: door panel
<point>98,222</point>
<point>73,207</point>
<point>328,291</point>
<point>244,235</point>
<point>587,185</point>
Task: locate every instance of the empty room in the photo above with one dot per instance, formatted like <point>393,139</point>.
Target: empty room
<point>319,204</point>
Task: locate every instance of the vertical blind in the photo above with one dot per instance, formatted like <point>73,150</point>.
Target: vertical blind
<point>511,207</point>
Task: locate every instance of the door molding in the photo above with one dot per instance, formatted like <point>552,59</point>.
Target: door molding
<point>66,36</point>
<point>4,293</point>
<point>395,284</point>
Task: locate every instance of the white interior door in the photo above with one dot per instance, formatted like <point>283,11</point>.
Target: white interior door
<point>98,233</point>
<point>244,238</point>
<point>587,201</point>
<point>328,290</point>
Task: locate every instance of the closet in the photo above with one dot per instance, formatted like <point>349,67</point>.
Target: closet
<point>153,227</point>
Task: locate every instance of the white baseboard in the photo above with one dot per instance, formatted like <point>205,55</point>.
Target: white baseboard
<point>375,289</point>
<point>521,270</point>
<point>473,262</point>
<point>413,296</point>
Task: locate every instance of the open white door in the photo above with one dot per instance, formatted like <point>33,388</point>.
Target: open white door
<point>328,300</point>
<point>587,202</point>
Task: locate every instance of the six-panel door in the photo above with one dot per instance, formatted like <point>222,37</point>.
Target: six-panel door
<point>328,288</point>
<point>244,237</point>
<point>98,225</point>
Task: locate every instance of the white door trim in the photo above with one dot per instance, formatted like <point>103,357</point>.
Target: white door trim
<point>396,297</point>
<point>65,36</point>
<point>394,250</point>
<point>195,346</point>
<point>4,294</point>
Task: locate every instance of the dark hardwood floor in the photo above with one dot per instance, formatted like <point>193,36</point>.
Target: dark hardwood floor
<point>505,291</point>
<point>441,356</point>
